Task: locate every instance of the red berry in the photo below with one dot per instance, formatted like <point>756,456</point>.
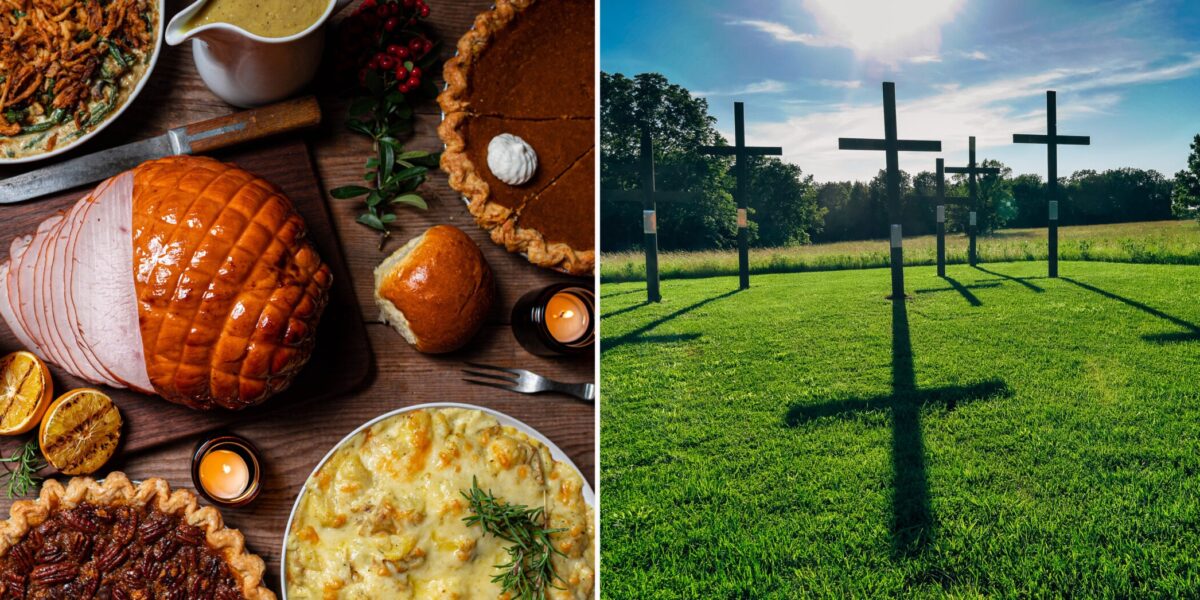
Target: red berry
<point>415,44</point>
<point>387,63</point>
<point>362,76</point>
<point>413,81</point>
<point>367,5</point>
<point>416,72</point>
<point>394,9</point>
<point>373,63</point>
<point>424,10</point>
<point>409,3</point>
<point>381,11</point>
<point>391,24</point>
<point>403,87</point>
<point>401,73</point>
<point>428,46</point>
<point>394,49</point>
<point>402,53</point>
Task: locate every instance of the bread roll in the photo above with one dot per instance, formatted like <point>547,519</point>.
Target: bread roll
<point>436,290</point>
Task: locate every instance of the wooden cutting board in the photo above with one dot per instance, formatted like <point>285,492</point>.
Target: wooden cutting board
<point>341,362</point>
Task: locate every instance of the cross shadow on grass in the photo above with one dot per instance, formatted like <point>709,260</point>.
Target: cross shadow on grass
<point>638,336</point>
<point>1191,335</point>
<point>620,311</point>
<point>964,290</point>
<point>912,518</point>
<point>1021,280</point>
<point>624,293</point>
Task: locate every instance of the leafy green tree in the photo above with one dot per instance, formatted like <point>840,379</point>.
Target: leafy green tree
<point>1029,200</point>
<point>783,203</point>
<point>1116,196</point>
<point>996,204</point>
<point>1185,194</point>
<point>679,124</point>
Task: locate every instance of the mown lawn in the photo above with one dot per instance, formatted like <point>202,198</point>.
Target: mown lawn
<point>1000,435</point>
<point>1156,242</point>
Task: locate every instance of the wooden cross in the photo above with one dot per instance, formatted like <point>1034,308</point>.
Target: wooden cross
<point>912,516</point>
<point>891,145</point>
<point>941,200</point>
<point>1052,141</point>
<point>648,196</point>
<point>972,170</point>
<point>741,152</point>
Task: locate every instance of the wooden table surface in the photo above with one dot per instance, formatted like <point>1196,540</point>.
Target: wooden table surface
<point>292,445</point>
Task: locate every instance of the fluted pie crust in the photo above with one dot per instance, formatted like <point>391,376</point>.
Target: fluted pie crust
<point>549,102</point>
<point>116,490</point>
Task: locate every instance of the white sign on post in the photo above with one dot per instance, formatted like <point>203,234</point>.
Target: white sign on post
<point>972,218</point>
<point>896,237</point>
<point>941,214</point>
<point>649,222</point>
<point>1054,210</point>
<point>741,222</point>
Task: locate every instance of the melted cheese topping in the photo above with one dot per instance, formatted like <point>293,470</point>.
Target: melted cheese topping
<point>383,517</point>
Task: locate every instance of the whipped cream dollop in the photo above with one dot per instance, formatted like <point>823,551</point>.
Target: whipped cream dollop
<point>511,159</point>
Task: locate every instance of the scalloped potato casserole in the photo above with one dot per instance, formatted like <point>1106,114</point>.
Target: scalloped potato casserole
<point>383,517</point>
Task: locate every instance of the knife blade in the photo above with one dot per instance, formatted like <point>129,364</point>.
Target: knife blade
<point>204,136</point>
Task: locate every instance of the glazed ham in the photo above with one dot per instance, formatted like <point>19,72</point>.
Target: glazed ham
<point>184,277</point>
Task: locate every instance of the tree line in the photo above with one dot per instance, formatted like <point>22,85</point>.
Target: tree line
<point>787,207</point>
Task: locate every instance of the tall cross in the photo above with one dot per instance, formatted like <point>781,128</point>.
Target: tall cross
<point>648,196</point>
<point>972,170</point>
<point>1052,141</point>
<point>741,153</point>
<point>891,145</point>
<point>940,200</point>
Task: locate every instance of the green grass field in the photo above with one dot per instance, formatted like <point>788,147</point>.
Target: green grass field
<point>999,435</point>
<point>1158,242</point>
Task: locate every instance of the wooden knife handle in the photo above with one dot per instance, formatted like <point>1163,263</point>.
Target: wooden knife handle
<point>253,124</point>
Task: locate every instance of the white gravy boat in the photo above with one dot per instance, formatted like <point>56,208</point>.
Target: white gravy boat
<point>249,70</point>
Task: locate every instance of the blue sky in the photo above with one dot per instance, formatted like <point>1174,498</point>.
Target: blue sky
<point>1127,74</point>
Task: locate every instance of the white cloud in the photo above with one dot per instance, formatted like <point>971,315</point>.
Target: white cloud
<point>852,84</point>
<point>883,32</point>
<point>783,33</point>
<point>766,86</point>
<point>975,55</point>
<point>925,58</point>
<point>987,110</point>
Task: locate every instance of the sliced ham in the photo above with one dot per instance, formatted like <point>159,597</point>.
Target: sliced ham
<point>185,277</point>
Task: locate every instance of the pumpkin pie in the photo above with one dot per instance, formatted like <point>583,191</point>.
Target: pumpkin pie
<point>527,69</point>
<point>114,539</point>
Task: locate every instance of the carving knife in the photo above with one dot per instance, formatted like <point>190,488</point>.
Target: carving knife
<point>204,136</point>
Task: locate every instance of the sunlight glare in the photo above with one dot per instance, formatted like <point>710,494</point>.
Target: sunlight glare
<point>887,31</point>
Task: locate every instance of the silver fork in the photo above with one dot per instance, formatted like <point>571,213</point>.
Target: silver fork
<point>526,382</point>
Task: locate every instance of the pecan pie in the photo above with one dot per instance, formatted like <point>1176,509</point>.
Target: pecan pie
<point>527,69</point>
<point>117,540</point>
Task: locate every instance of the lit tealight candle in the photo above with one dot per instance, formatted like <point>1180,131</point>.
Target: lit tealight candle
<point>566,317</point>
<point>224,474</point>
<point>557,320</point>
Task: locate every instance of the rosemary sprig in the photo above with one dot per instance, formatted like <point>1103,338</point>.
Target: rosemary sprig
<point>529,571</point>
<point>22,475</point>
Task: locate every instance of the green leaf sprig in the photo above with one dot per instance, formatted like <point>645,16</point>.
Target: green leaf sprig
<point>384,114</point>
<point>22,474</point>
<point>529,572</point>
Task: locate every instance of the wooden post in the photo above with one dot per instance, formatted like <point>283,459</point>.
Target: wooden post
<point>741,153</point>
<point>941,217</point>
<point>892,146</point>
<point>648,196</point>
<point>1052,140</point>
<point>897,259</point>
<point>972,171</point>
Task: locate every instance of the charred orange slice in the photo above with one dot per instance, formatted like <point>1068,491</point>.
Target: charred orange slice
<point>25,392</point>
<point>80,431</point>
